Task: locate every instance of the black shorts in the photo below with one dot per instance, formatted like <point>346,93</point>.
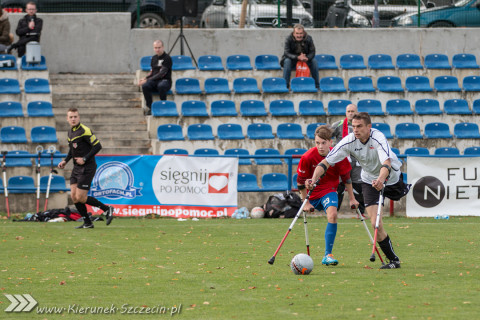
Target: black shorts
<point>82,176</point>
<point>394,192</point>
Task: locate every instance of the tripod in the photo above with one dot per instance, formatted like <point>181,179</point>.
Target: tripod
<point>182,38</point>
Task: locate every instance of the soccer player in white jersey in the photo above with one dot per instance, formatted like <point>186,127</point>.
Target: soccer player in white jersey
<point>380,166</point>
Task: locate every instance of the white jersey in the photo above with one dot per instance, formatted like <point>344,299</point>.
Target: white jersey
<point>370,155</point>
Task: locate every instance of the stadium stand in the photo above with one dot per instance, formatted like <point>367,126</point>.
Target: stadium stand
<point>267,62</point>
<point>12,59</point>
<point>416,151</point>
<point>471,83</point>
<point>182,63</point>
<point>175,151</point>
<point>360,84</point>
<point>200,131</point>
<point>437,61</point>
<point>13,134</point>
<point>456,106</point>
<point>311,129</point>
<point>326,62</point>
<point>259,131</point>
<point>274,85</point>
<point>252,108</point>
<point>37,85</point>
<point>168,132</point>
<point>45,160</point>
<point>427,106</point>
<point>10,109</point>
<point>210,63</point>
<point>145,62</point>
<point>18,162</point>
<point>295,151</point>
<point>247,182</point>
<point>466,130</point>
<point>280,108</point>
<point>337,107</point>
<point>239,152</point>
<point>472,151</point>
<point>389,84</point>
<point>398,107</point>
<point>303,84</point>
<point>373,107</point>
<point>208,152</point>
<point>289,131</point>
<point>311,108</point>
<point>187,86</point>
<point>437,130</point>
<point>21,184</point>
<point>332,84</point>
<point>446,83</point>
<point>352,61</point>
<point>194,108</point>
<point>164,108</point>
<point>380,61</point>
<point>447,151</point>
<point>409,61</point>
<point>384,128</point>
<point>245,85</point>
<point>223,108</point>
<point>476,106</point>
<point>57,184</point>
<point>238,62</point>
<point>267,152</point>
<point>44,134</point>
<point>216,85</point>
<point>42,65</point>
<point>464,61</point>
<point>9,86</point>
<point>418,84</point>
<point>406,130</point>
<point>230,131</point>
<point>40,109</point>
<point>275,181</point>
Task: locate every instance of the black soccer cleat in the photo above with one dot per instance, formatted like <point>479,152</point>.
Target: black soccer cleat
<point>391,265</point>
<point>109,214</point>
<point>85,226</point>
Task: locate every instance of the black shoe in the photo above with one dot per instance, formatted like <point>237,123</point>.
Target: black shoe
<point>391,265</point>
<point>85,226</point>
<point>147,112</point>
<point>109,214</point>
<point>8,49</point>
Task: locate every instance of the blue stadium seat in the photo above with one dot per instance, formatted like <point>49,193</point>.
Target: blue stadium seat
<point>206,152</point>
<point>13,134</point>
<point>230,131</point>
<point>43,134</point>
<point>182,63</point>
<point>9,86</point>
<point>437,61</point>
<point>168,132</point>
<point>275,181</point>
<point>446,83</point>
<point>373,107</point>
<point>40,109</point>
<point>37,85</point>
<point>259,131</point>
<point>10,109</point>
<point>409,61</point>
<point>245,85</point>
<point>416,151</point>
<point>360,84</point>
<point>476,106</point>
<point>297,152</point>
<point>447,151</point>
<point>338,107</point>
<point>471,83</point>
<point>294,181</point>
<point>239,152</point>
<point>274,85</point>
<point>384,128</point>
<point>303,84</point>
<point>9,57</point>
<point>1,187</point>
<point>252,108</point>
<point>164,108</point>
<point>396,151</point>
<point>389,84</point>
<point>247,182</point>
<point>472,151</point>
<point>210,63</point>
<point>456,106</point>
<point>311,108</point>
<point>464,61</point>
<point>352,61</point>
<point>57,184</point>
<point>311,129</point>
<point>223,108</point>
<point>239,62</point>
<point>216,85</point>
<point>398,107</point>
<point>45,160</point>
<point>279,108</point>
<point>437,130</point>
<point>18,162</point>
<point>267,152</point>
<point>380,61</point>
<point>41,66</point>
<point>200,131</point>
<point>145,63</point>
<point>418,84</point>
<point>466,130</point>
<point>194,108</point>
<point>21,184</point>
<point>175,151</point>
<point>187,86</point>
<point>267,62</point>
<point>290,131</point>
<point>427,106</point>
<point>407,130</point>
<point>326,62</point>
<point>332,84</point>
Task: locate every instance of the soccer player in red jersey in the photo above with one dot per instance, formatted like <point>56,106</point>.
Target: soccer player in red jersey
<point>324,196</point>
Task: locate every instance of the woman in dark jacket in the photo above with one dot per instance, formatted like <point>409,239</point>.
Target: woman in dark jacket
<point>5,37</point>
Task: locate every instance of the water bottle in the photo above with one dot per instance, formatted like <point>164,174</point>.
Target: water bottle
<point>441,217</point>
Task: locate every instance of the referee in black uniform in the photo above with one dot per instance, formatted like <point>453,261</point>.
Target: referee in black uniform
<point>83,146</point>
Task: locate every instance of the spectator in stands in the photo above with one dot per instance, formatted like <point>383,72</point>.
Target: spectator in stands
<point>337,15</point>
<point>6,38</point>
<point>324,197</point>
<point>159,79</point>
<point>341,129</point>
<point>29,28</point>
<point>299,47</point>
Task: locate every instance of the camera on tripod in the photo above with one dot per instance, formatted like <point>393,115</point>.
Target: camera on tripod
<point>6,63</point>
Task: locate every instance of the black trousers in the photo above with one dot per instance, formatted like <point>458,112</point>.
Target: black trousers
<point>358,195</point>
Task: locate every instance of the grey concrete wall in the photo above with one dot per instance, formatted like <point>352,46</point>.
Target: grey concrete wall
<point>104,42</point>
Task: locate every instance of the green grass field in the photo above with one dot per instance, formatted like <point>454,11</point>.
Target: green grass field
<point>217,269</point>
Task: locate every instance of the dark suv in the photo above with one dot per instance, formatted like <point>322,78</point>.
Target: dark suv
<point>152,12</point>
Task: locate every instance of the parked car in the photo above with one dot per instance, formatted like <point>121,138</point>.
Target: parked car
<point>361,11</point>
<point>152,13</point>
<point>260,14</point>
<point>463,13</point>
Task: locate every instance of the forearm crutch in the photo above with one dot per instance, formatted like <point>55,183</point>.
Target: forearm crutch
<point>377,222</point>
<point>368,231</point>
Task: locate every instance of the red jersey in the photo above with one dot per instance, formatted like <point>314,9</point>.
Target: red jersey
<point>330,181</point>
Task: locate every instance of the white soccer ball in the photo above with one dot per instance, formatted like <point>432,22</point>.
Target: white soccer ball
<point>301,264</point>
<point>257,213</point>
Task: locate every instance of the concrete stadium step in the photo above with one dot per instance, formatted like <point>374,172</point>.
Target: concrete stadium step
<point>99,126</point>
<point>59,102</point>
<point>91,112</point>
<point>90,79</point>
<point>94,88</point>
<point>119,96</point>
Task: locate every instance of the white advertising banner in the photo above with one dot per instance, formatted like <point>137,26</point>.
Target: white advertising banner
<point>443,186</point>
